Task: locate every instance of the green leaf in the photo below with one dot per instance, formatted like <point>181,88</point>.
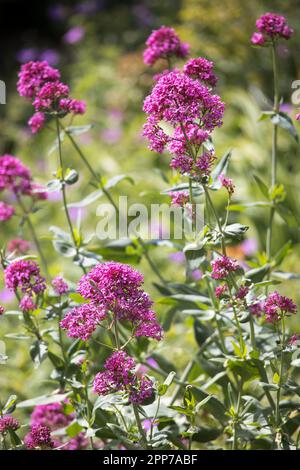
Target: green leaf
<point>78,130</point>
<point>117,179</point>
<point>56,360</point>
<point>53,186</point>
<point>221,168</point>
<point>92,197</point>
<point>285,122</point>
<point>213,406</point>
<point>77,298</point>
<point>244,206</point>
<point>163,388</point>
<point>285,276</point>
<point>206,434</point>
<point>257,274</point>
<point>203,315</point>
<point>10,405</point>
<point>64,248</point>
<point>262,186</point>
<point>74,429</point>
<point>196,188</point>
<point>43,400</point>
<point>235,230</point>
<point>71,177</point>
<point>38,352</point>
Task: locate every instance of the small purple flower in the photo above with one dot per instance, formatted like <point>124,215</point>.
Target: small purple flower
<point>6,211</point>
<point>7,422</point>
<point>277,305</point>
<point>39,437</point>
<point>82,321</point>
<point>60,286</point>
<point>164,43</point>
<point>24,275</point>
<point>202,69</point>
<point>227,183</point>
<point>220,291</point>
<point>271,27</point>
<point>74,35</point>
<point>179,198</point>
<point>222,266</point>
<point>27,304</point>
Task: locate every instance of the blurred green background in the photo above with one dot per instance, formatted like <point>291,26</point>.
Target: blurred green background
<point>98,47</point>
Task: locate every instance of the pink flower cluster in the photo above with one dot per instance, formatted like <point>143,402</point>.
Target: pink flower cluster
<point>271,27</point>
<point>53,417</point>
<point>202,69</point>
<point>222,266</point>
<point>179,198</point>
<point>24,275</point>
<point>7,422</point>
<point>14,176</point>
<point>82,321</point>
<point>189,107</point>
<point>18,246</point>
<point>227,183</point>
<point>277,305</point>
<point>112,288</point>
<point>39,437</point>
<point>59,285</point>
<point>41,83</point>
<point>164,43</point>
<point>6,211</point>
<point>119,375</point>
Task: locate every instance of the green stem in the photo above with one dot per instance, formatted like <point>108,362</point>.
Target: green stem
<point>252,333</point>
<point>209,200</point>
<point>150,262</point>
<point>34,235</point>
<point>278,417</point>
<point>97,178</point>
<point>184,376</point>
<point>274,152</point>
<point>140,426</point>
<point>236,418</point>
<point>217,311</point>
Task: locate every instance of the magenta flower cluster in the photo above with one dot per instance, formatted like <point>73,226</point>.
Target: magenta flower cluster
<point>39,437</point>
<point>223,266</point>
<point>24,275</point>
<point>277,305</point>
<point>54,417</point>
<point>40,82</point>
<point>59,285</point>
<point>112,288</point>
<point>164,43</point>
<point>119,375</point>
<point>6,211</point>
<point>18,246</point>
<point>179,198</point>
<point>271,27</point>
<point>182,113</point>
<point>7,423</point>
<point>202,69</point>
<point>227,183</point>
<point>14,176</point>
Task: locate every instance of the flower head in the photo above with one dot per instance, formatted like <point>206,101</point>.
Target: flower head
<point>227,183</point>
<point>24,275</point>
<point>27,304</point>
<point>51,415</point>
<point>33,75</point>
<point>37,121</point>
<point>60,286</point>
<point>14,176</point>
<point>116,288</point>
<point>8,422</point>
<point>179,198</point>
<point>222,266</point>
<point>82,321</point>
<point>164,43</point>
<point>6,211</point>
<point>18,246</point>
<point>271,27</point>
<point>119,375</point>
<point>277,305</point>
<point>220,291</point>
<point>39,437</point>
<point>202,69</point>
